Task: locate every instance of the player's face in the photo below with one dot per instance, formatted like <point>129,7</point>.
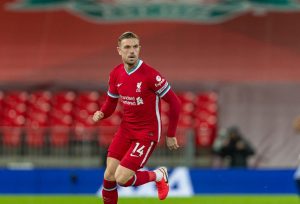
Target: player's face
<point>129,49</point>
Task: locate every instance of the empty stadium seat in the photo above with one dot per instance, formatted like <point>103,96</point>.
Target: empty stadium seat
<point>35,137</point>
<point>59,136</point>
<point>106,135</point>
<point>11,137</point>
<point>59,117</point>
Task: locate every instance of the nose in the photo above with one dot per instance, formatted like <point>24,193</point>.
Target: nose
<point>131,50</point>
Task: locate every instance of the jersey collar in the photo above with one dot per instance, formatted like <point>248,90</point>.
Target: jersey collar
<point>140,62</point>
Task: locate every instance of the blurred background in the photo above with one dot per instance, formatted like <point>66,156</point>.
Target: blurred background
<point>233,63</point>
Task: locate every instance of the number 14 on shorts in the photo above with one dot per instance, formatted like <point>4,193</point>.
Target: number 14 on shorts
<point>138,150</point>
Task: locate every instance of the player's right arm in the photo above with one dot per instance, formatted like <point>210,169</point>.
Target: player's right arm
<point>111,100</point>
<point>106,110</point>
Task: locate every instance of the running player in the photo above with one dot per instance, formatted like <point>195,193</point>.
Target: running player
<point>139,88</point>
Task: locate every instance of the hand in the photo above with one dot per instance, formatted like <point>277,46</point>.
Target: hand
<point>172,143</point>
<point>98,115</point>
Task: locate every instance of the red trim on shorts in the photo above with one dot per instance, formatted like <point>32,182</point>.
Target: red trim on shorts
<point>130,165</point>
<point>115,155</point>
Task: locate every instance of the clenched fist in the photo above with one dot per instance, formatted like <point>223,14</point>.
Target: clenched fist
<point>98,115</point>
<point>172,143</point>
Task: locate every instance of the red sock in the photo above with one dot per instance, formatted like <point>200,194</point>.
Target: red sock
<point>109,192</point>
<point>140,178</point>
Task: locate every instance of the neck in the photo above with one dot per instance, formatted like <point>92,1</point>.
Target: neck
<point>129,67</point>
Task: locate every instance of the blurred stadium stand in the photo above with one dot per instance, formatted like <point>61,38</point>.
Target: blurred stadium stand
<point>58,124</point>
<point>53,127</point>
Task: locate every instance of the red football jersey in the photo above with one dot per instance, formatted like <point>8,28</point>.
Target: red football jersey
<point>140,91</point>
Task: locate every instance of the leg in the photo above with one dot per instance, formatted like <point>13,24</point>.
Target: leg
<point>127,177</point>
<point>111,167</point>
<point>116,151</point>
<point>109,191</point>
<point>123,174</point>
<point>127,173</point>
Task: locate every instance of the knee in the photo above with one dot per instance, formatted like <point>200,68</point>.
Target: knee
<point>121,179</point>
<point>109,174</point>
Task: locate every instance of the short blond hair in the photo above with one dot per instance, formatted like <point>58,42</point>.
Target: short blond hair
<point>127,35</point>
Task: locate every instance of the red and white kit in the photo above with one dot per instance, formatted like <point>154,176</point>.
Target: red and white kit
<point>139,91</point>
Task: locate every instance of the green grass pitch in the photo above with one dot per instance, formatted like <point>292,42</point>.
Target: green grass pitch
<point>208,199</point>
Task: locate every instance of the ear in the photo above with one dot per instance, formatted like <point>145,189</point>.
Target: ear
<point>119,50</point>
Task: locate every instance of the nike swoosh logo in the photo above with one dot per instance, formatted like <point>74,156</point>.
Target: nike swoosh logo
<point>133,155</point>
<point>120,84</point>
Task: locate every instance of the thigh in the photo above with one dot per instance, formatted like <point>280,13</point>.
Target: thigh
<point>138,154</point>
<point>119,146</point>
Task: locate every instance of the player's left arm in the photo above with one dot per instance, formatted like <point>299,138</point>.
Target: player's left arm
<point>163,89</point>
<point>175,105</point>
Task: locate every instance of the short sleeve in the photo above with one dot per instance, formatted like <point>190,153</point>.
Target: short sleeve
<point>112,87</point>
<point>159,84</point>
